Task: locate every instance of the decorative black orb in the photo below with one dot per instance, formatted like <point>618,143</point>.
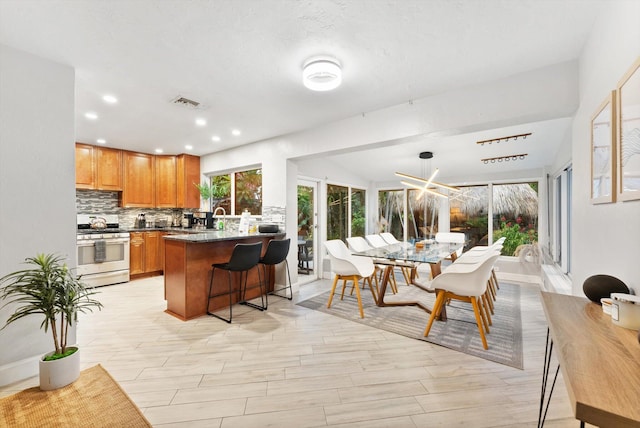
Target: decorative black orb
<point>598,286</point>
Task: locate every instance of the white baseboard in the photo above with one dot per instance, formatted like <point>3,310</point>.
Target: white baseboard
<point>19,370</point>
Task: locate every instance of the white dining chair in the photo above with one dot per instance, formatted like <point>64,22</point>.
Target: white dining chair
<point>465,283</point>
<point>358,244</point>
<point>377,241</point>
<point>455,237</point>
<point>348,267</point>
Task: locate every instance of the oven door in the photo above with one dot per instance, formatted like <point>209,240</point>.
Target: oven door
<point>116,256</point>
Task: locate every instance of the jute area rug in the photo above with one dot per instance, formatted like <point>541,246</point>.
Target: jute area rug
<point>94,400</point>
<point>459,332</point>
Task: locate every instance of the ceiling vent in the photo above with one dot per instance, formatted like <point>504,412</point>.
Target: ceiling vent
<point>186,102</point>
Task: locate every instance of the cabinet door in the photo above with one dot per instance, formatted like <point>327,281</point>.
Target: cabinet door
<point>166,181</point>
<point>108,168</point>
<point>136,253</point>
<point>188,175</point>
<point>85,176</point>
<point>152,262</point>
<point>161,248</point>
<point>139,180</point>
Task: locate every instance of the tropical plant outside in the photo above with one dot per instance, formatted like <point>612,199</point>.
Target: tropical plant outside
<point>305,208</point>
<point>337,197</point>
<point>48,288</point>
<point>248,191</point>
<point>516,232</point>
<point>358,212</point>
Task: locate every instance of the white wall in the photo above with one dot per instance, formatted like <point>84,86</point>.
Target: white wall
<point>37,188</point>
<point>606,237</point>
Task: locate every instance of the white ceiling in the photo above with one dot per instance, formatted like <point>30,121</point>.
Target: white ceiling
<point>241,59</point>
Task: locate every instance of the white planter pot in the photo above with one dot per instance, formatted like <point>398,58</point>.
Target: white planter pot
<point>58,373</point>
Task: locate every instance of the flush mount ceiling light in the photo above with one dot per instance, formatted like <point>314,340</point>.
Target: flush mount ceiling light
<point>322,74</point>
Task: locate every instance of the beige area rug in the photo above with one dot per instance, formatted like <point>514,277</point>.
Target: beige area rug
<point>459,332</point>
<point>94,400</point>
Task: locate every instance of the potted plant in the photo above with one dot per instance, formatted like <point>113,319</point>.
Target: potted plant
<point>48,287</point>
<point>206,192</point>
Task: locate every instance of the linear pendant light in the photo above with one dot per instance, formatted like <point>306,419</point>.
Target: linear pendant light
<point>426,183</point>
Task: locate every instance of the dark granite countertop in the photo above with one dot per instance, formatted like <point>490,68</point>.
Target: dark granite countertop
<point>222,235</point>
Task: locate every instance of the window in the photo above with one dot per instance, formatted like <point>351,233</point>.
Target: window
<point>346,212</point>
<point>560,220</point>
<point>515,215</point>
<point>391,212</point>
<point>423,215</point>
<point>469,214</point>
<point>238,191</point>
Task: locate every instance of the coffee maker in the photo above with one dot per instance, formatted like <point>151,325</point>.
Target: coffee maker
<point>204,219</point>
<point>187,220</point>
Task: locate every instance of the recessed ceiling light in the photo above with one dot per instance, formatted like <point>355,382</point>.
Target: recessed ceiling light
<point>321,74</point>
<point>91,115</point>
<point>159,150</point>
<point>201,122</point>
<point>235,132</point>
<point>109,99</point>
<point>215,138</point>
<point>188,147</point>
<point>101,141</point>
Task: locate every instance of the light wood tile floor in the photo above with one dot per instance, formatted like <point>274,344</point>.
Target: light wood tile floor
<point>294,367</point>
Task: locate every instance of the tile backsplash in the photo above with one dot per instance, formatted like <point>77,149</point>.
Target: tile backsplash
<point>103,202</point>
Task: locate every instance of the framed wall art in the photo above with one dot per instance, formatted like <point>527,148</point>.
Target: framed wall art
<point>603,148</point>
<point>628,134</point>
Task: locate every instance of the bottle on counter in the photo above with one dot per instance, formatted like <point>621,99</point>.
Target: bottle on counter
<point>245,219</point>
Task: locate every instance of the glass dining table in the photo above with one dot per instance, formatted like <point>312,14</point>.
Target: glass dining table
<point>432,253</point>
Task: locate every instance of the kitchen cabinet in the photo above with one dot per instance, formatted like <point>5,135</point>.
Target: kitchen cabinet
<point>139,180</point>
<point>98,168</point>
<point>152,260</point>
<point>108,168</point>
<point>146,252</point>
<point>136,253</point>
<point>165,172</point>
<point>85,177</point>
<point>187,176</point>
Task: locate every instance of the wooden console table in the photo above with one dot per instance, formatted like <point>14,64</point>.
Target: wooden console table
<point>600,362</point>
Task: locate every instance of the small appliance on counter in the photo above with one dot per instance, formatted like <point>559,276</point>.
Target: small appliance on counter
<point>187,220</point>
<point>204,219</point>
<point>141,221</point>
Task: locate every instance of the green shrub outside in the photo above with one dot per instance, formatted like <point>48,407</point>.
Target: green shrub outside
<point>515,234</point>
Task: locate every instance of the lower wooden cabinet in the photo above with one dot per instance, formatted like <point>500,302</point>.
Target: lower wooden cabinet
<point>145,252</point>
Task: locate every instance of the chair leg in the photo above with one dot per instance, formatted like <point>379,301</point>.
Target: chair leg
<point>487,307</point>
<point>484,315</point>
<point>393,282</point>
<point>333,290</point>
<point>373,293</point>
<point>228,320</point>
<point>435,311</point>
<point>357,287</point>
<point>476,311</point>
<point>262,305</point>
<point>495,278</point>
<point>490,299</point>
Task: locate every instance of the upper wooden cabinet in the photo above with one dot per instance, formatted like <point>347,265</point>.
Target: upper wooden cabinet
<point>85,168</point>
<point>188,175</point>
<point>139,180</point>
<point>98,168</point>
<point>166,181</point>
<point>146,181</point>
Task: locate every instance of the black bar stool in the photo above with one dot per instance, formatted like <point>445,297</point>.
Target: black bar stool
<point>277,251</point>
<point>243,258</point>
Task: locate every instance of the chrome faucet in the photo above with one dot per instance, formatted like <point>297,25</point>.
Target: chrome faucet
<point>224,214</point>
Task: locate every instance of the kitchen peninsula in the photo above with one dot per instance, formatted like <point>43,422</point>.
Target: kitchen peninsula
<point>187,270</point>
